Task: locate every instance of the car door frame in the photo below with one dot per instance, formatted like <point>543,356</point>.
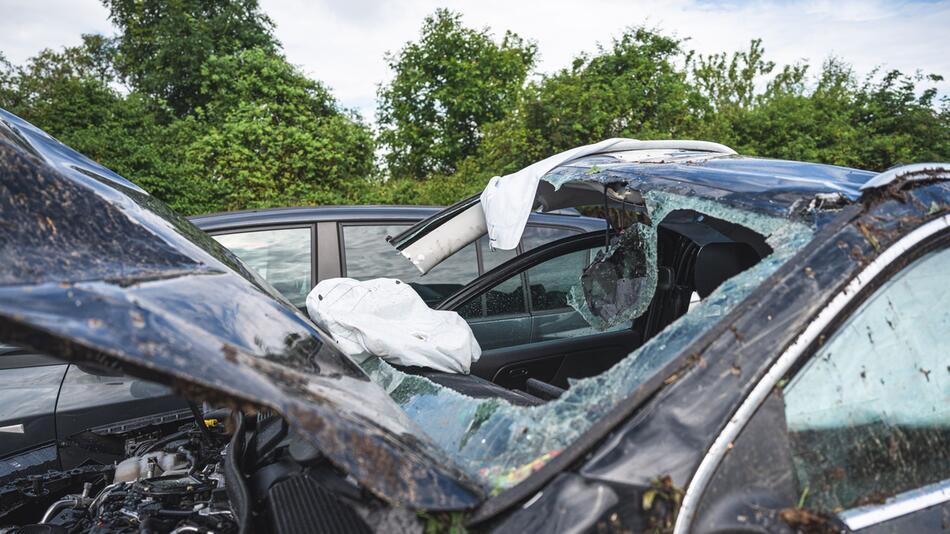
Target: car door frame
<point>521,263</point>
<point>506,357</point>
<point>929,236</point>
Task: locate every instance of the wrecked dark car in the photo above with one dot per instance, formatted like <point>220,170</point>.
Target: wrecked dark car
<point>783,367</point>
<point>57,415</point>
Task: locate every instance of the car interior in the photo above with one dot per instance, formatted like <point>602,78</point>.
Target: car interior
<point>553,344</point>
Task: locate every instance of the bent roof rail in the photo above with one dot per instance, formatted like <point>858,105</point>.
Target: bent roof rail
<point>430,241</point>
<point>914,172</point>
<point>671,144</point>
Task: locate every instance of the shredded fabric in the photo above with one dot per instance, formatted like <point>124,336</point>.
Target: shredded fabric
<point>386,318</point>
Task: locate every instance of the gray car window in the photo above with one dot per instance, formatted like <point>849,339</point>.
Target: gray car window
<point>535,236</point>
<point>282,257</point>
<point>506,298</point>
<point>869,414</point>
<point>551,281</point>
<point>368,256</point>
<point>493,258</point>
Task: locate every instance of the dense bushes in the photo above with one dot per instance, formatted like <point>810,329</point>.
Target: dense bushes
<point>194,101</point>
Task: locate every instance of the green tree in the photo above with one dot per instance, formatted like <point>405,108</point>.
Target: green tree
<point>633,88</point>
<point>270,136</point>
<point>900,121</point>
<point>71,95</point>
<point>828,119</point>
<point>445,88</point>
<point>67,88</point>
<point>163,45</point>
<point>7,83</point>
<point>800,120</point>
<point>730,81</point>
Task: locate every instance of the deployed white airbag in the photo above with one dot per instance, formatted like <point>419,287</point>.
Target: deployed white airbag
<point>386,318</point>
<point>508,200</point>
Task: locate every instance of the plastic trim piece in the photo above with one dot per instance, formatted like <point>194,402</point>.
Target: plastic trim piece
<point>897,506</point>
<point>785,362</point>
<point>915,172</point>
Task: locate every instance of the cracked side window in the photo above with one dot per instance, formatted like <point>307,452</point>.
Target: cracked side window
<point>869,414</point>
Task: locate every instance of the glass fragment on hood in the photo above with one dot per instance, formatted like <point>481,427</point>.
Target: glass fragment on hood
<point>499,444</point>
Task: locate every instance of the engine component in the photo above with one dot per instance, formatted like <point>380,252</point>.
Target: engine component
<point>299,504</point>
<point>150,465</point>
<point>175,484</point>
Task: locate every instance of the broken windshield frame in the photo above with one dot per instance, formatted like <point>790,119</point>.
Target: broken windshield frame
<point>500,445</point>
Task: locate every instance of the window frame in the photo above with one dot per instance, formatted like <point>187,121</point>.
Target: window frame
<point>930,236</point>
<point>454,302</point>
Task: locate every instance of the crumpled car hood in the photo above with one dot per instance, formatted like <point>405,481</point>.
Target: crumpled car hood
<point>93,269</point>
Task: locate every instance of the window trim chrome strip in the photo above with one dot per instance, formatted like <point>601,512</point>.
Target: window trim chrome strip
<point>897,506</point>
<point>780,368</point>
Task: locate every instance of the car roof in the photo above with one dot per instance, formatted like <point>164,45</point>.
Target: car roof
<point>311,214</point>
<point>734,174</point>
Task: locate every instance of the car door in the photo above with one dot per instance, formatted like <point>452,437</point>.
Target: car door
<point>366,254</point>
<point>520,316</point>
<point>29,385</point>
<point>858,432</point>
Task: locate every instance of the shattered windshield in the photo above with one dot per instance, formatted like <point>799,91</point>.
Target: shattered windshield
<point>500,444</point>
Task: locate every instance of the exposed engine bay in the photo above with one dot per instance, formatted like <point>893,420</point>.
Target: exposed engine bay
<point>207,476</point>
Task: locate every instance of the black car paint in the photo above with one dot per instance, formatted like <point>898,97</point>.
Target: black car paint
<point>725,364</point>
<point>120,289</point>
<point>66,401</point>
<point>626,454</point>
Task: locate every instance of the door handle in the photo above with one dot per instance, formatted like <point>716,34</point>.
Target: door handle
<point>12,429</point>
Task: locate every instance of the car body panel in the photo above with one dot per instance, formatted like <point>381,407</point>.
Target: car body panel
<point>123,288</point>
<point>725,364</point>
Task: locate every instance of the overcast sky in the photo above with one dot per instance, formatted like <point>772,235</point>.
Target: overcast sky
<point>342,42</point>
